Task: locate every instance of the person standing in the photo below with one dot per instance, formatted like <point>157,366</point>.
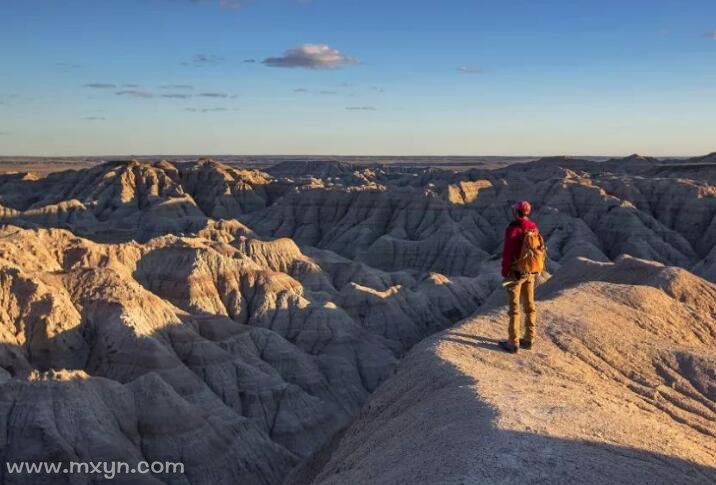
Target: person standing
<point>523,259</point>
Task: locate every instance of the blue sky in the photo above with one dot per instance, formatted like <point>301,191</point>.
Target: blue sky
<point>357,77</point>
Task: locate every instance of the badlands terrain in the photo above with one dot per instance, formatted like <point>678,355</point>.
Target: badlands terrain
<point>257,325</point>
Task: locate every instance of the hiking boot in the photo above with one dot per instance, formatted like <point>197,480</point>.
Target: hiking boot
<point>525,344</point>
<point>508,347</point>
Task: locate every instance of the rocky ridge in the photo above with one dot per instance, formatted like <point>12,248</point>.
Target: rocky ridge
<point>616,394</point>
<point>262,351</point>
<point>234,320</point>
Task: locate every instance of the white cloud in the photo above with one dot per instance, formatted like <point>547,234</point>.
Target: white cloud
<point>311,56</point>
<point>471,70</point>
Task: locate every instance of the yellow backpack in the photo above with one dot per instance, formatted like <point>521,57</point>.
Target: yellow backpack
<point>532,254</point>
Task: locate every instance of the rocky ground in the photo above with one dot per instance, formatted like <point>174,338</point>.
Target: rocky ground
<point>618,389</point>
<point>236,320</point>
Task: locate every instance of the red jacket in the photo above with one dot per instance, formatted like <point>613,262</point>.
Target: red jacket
<point>514,234</point>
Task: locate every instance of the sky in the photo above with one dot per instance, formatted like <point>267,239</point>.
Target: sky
<point>350,77</point>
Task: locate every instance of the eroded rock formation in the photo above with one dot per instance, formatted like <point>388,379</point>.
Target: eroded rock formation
<point>235,320</point>
<point>615,391</point>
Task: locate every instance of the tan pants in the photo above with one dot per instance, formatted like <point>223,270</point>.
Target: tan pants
<point>522,289</point>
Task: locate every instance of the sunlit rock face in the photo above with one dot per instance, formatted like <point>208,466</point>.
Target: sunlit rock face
<point>618,388</point>
<point>235,320</point>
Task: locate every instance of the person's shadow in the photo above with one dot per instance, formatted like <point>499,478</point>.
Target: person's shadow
<point>474,340</point>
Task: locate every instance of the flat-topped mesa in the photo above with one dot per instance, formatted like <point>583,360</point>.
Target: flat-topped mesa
<point>323,169</point>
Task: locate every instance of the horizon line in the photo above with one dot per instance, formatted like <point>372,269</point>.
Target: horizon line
<point>207,155</point>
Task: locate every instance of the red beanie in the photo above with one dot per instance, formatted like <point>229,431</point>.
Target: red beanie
<point>523,207</point>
